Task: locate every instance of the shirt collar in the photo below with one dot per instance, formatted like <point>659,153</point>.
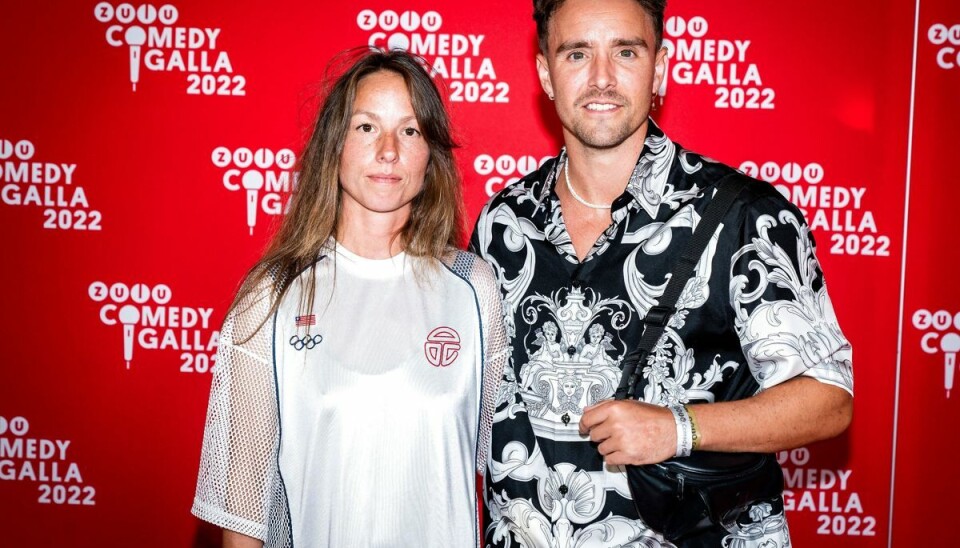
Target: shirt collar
<point>649,181</point>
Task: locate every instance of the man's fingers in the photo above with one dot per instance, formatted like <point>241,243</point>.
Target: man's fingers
<point>593,415</point>
<point>607,447</point>
<point>601,432</point>
<point>616,458</point>
<point>599,404</point>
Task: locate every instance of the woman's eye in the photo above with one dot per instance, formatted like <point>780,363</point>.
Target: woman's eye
<point>366,128</point>
<point>411,132</point>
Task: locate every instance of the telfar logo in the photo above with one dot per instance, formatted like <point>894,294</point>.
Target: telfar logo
<point>265,177</point>
<point>150,323</point>
<point>442,346</point>
<point>942,335</point>
<point>156,44</point>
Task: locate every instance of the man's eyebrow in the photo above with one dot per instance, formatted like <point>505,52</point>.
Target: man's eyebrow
<point>584,44</point>
<point>640,42</point>
<point>572,44</point>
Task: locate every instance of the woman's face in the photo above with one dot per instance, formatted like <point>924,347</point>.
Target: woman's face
<point>384,155</point>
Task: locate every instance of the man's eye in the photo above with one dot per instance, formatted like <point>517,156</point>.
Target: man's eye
<point>628,53</point>
<point>576,55</point>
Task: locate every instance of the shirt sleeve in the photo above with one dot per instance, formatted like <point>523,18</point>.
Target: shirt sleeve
<point>784,317</point>
<point>496,353</point>
<point>239,473</point>
<point>514,461</point>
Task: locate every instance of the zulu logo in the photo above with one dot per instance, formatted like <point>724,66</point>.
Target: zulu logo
<point>458,58</point>
<point>949,38</point>
<point>50,185</point>
<point>150,322</point>
<point>942,335</point>
<point>156,43</point>
<point>305,342</point>
<point>698,59</point>
<point>266,177</point>
<point>442,346</point>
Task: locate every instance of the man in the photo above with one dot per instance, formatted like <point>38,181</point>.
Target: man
<point>586,244</point>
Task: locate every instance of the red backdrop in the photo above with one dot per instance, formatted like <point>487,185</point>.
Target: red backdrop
<point>146,151</point>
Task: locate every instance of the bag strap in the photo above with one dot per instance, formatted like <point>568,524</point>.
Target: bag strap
<point>657,318</point>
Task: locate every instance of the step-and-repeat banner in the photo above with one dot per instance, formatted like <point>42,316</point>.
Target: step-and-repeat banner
<point>147,152</point>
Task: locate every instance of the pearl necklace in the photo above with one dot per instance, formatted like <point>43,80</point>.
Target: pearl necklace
<point>566,173</point>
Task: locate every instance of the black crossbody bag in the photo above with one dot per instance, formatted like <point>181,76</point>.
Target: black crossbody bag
<point>685,496</point>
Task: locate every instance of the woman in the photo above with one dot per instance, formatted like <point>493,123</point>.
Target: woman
<point>358,364</point>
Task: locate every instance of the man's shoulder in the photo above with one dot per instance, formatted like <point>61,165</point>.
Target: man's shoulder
<point>754,192</point>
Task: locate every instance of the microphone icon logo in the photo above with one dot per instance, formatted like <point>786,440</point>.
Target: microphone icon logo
<point>253,182</point>
<point>950,345</point>
<point>128,316</point>
<point>135,37</point>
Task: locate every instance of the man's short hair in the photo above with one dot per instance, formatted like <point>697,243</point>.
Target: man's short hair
<point>543,10</point>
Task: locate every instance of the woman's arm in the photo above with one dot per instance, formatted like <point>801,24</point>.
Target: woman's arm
<point>233,539</point>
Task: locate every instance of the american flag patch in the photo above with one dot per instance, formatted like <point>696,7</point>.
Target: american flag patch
<point>306,321</point>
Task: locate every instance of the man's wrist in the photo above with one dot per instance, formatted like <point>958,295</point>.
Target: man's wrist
<point>695,433</point>
<point>681,418</point>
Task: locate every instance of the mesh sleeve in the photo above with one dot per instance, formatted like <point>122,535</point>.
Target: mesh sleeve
<point>238,486</point>
<point>495,350</point>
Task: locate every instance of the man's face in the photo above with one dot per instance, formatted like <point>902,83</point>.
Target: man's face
<point>602,68</point>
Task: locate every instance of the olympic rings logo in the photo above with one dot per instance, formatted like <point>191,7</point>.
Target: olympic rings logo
<point>308,342</point>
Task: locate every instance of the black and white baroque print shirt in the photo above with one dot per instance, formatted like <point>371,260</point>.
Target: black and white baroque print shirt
<point>755,314</point>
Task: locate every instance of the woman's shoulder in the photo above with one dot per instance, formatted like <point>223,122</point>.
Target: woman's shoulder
<point>264,285</point>
<point>472,268</point>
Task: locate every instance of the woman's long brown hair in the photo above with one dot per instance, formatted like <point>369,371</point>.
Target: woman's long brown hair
<point>436,216</point>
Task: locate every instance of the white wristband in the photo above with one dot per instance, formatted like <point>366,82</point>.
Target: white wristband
<point>684,430</point>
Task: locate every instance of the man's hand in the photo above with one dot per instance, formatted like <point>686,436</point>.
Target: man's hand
<point>630,432</point>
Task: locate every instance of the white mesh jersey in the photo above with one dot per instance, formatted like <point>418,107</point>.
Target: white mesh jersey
<point>360,423</point>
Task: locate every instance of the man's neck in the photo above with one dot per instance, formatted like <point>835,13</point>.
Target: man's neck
<point>601,175</point>
<point>597,177</point>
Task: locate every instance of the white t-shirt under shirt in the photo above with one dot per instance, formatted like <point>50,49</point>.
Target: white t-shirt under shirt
<point>361,422</point>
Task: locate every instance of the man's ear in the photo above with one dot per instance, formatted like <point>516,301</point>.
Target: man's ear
<point>660,70</point>
<point>543,70</point>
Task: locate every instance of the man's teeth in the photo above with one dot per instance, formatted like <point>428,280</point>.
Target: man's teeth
<point>598,107</point>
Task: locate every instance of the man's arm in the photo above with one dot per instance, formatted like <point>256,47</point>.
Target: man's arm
<point>792,414</point>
